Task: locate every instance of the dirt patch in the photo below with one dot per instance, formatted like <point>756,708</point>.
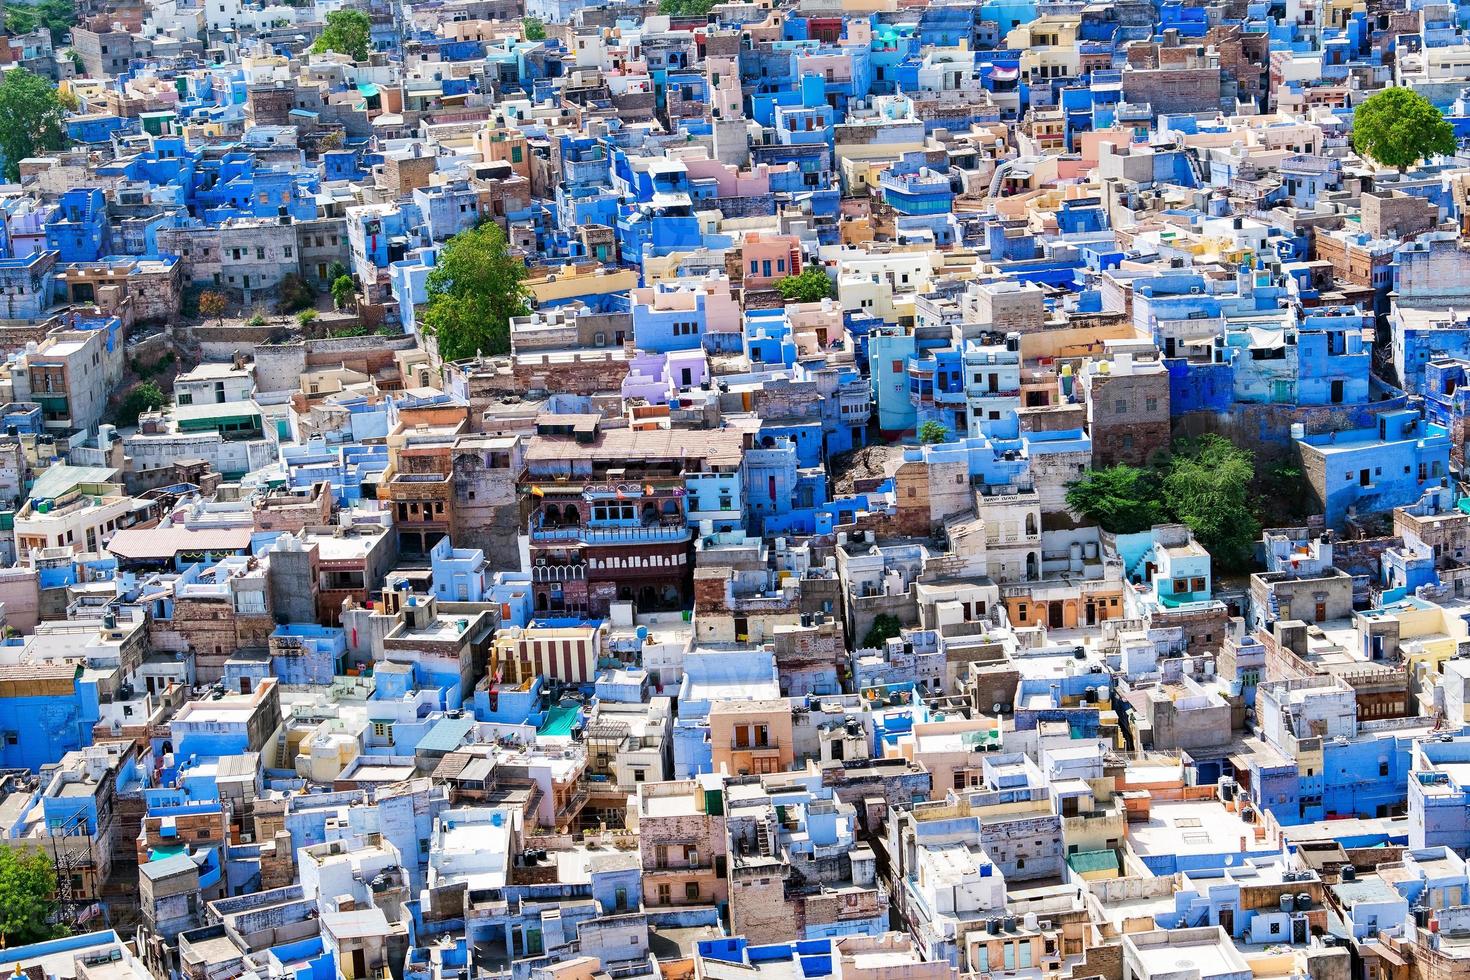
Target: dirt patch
<point>867,463</point>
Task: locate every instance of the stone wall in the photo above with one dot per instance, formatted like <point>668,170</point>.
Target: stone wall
<point>218,343</point>
<point>1266,429</point>
<point>586,373</point>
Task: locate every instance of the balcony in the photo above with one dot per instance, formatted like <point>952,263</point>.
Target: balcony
<point>680,871</point>
<point>649,534</point>
<point>569,810</point>
<point>754,745</point>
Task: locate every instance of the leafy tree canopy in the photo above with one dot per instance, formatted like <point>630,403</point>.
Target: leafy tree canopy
<point>474,289</point>
<point>140,398</point>
<point>347,32</point>
<point>31,119</point>
<point>885,627</point>
<point>343,289</point>
<point>1207,487</point>
<point>533,28</point>
<point>1204,483</point>
<point>56,16</point>
<point>1119,499</point>
<point>686,8</point>
<point>1398,127</point>
<point>27,902</point>
<point>811,285</point>
<point>931,432</point>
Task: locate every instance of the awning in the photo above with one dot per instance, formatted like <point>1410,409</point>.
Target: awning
<point>1267,338</point>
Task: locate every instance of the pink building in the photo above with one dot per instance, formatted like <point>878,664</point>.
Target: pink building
<point>20,595</point>
<point>767,258</point>
<point>732,181</point>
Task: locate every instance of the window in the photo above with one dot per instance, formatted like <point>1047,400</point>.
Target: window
<point>1120,406</point>
<point>691,891</point>
<point>665,894</point>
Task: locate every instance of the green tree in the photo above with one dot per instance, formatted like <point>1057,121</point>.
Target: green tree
<point>1207,486</point>
<point>811,285</point>
<point>474,290</point>
<point>533,28</point>
<point>31,117</point>
<point>347,32</point>
<point>27,897</point>
<point>1398,127</point>
<point>336,271</point>
<point>885,627</point>
<point>931,432</point>
<point>306,317</point>
<point>343,289</point>
<point>686,8</point>
<point>57,16</point>
<point>1119,499</point>
<point>144,397</point>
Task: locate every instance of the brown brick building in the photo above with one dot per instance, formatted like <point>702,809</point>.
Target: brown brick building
<point>1127,409</point>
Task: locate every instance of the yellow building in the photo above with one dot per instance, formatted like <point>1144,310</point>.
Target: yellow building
<point>572,281</point>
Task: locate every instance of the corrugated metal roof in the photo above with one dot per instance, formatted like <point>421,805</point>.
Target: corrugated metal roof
<point>57,480</point>
<point>165,542</point>
<point>447,735</point>
<point>1084,862</point>
<point>163,868</point>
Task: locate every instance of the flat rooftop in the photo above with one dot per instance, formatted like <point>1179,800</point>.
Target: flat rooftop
<point>682,805</point>
<point>1194,827</point>
<point>1210,959</point>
